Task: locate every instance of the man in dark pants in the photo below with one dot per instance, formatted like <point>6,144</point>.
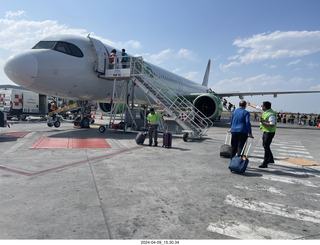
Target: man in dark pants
<point>268,125</point>
<point>240,129</point>
<point>153,121</point>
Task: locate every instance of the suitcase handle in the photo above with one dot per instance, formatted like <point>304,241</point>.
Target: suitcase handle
<point>227,138</point>
<point>244,147</point>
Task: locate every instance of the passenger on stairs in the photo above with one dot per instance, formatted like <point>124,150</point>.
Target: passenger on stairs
<point>112,59</point>
<point>124,59</point>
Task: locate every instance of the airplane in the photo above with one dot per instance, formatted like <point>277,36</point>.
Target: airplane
<point>72,67</point>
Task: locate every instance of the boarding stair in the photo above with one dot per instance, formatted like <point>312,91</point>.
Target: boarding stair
<point>194,123</point>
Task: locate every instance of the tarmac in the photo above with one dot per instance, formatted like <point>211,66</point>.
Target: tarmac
<point>69,183</point>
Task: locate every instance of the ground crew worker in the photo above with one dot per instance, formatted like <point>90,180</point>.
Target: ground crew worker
<point>153,121</point>
<point>53,106</point>
<point>268,125</point>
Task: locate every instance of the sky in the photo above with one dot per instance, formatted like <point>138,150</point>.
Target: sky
<point>254,45</point>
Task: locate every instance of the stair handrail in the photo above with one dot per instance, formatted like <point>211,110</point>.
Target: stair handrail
<point>138,70</point>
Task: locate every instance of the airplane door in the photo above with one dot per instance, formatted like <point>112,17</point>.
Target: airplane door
<point>101,53</point>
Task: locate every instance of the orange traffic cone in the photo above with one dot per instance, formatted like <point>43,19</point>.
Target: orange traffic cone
<point>101,116</point>
<point>94,114</point>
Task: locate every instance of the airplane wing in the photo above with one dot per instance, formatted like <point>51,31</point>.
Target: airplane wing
<point>274,93</point>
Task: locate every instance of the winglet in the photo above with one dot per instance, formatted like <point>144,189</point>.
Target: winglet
<point>206,75</point>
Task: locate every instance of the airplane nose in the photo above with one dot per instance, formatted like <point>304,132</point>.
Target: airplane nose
<point>22,69</point>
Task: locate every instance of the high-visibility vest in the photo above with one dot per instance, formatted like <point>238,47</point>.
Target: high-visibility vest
<point>53,107</point>
<point>154,118</point>
<point>265,117</point>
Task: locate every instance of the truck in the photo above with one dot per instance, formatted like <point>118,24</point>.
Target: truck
<point>20,103</point>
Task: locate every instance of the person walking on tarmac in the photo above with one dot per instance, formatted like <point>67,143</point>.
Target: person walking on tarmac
<point>153,121</point>
<point>240,129</point>
<point>268,125</point>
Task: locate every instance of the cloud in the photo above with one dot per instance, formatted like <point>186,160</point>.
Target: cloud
<point>19,34</point>
<point>191,75</point>
<point>186,54</point>
<point>316,87</point>
<point>10,14</point>
<point>275,45</point>
<point>264,82</point>
<point>295,62</point>
<point>312,65</point>
<point>261,82</point>
<point>172,55</point>
<point>160,57</point>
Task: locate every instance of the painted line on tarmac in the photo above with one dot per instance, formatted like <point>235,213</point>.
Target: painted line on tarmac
<point>291,180</point>
<point>274,209</point>
<point>269,189</point>
<point>248,231</point>
<point>68,165</point>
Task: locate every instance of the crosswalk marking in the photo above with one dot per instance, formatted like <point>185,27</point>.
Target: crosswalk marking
<point>286,150</point>
<point>274,209</point>
<point>248,231</point>
<point>290,180</point>
<point>282,150</point>
<point>281,172</point>
<point>269,189</point>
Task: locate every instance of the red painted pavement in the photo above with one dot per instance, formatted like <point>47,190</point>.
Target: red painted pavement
<point>69,143</point>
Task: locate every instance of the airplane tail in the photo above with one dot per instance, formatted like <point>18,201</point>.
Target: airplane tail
<point>206,75</point>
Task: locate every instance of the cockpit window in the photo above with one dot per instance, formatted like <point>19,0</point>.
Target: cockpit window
<point>63,47</point>
<point>44,45</point>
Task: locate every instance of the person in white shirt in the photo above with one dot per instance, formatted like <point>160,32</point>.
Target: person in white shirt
<point>268,125</point>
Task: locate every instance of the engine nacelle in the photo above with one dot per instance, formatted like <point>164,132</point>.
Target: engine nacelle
<point>105,107</point>
<point>209,104</point>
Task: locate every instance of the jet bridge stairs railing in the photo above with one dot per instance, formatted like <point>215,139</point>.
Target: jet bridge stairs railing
<point>194,123</point>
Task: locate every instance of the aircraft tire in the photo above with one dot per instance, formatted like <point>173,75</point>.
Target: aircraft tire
<point>85,123</point>
<point>50,125</point>
<point>57,124</point>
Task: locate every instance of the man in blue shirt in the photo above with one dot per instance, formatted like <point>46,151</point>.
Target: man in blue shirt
<point>240,128</point>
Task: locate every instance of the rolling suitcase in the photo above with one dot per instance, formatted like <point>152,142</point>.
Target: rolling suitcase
<point>239,164</point>
<point>225,149</point>
<point>141,137</point>
<point>167,140</point>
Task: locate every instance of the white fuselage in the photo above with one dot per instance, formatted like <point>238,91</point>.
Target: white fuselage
<point>56,73</point>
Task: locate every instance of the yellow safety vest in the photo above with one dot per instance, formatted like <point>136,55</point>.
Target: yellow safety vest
<point>265,117</point>
<point>154,118</point>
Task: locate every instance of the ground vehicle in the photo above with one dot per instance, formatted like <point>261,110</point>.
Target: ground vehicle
<point>20,103</point>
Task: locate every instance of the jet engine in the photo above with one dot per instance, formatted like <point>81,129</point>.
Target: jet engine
<point>105,107</point>
<point>209,104</point>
